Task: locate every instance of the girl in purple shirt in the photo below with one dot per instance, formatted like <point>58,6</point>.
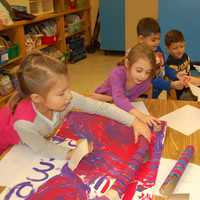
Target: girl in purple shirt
<point>126,83</point>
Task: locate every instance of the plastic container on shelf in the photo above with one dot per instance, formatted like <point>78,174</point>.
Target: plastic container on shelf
<point>81,4</point>
<point>76,42</point>
<point>72,4</point>
<point>48,40</point>
<point>4,56</point>
<point>13,51</point>
<point>75,27</point>
<point>4,45</point>
<point>38,7</point>
<point>74,23</point>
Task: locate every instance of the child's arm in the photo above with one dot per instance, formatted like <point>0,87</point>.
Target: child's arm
<point>147,119</point>
<point>92,106</point>
<point>117,82</point>
<point>123,102</point>
<point>30,136</point>
<point>161,84</point>
<point>111,111</point>
<point>101,97</point>
<point>170,72</point>
<point>178,85</point>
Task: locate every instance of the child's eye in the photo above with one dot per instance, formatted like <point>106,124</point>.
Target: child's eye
<point>149,72</point>
<point>61,94</point>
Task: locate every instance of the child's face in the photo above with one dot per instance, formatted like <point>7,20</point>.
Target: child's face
<point>152,41</point>
<point>59,96</point>
<point>176,49</point>
<point>140,70</point>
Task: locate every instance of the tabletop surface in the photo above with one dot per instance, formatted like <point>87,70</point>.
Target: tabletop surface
<point>175,142</point>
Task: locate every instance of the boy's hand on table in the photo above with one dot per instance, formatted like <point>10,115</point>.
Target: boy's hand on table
<point>178,85</point>
<point>180,75</point>
<point>186,80</point>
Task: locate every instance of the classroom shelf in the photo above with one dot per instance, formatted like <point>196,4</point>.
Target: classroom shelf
<point>11,61</point>
<point>42,18</point>
<point>76,10</point>
<point>16,31</point>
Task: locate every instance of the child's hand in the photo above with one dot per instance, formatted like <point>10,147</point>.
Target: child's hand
<point>178,85</point>
<point>147,119</point>
<point>180,75</point>
<point>74,156</point>
<point>150,120</point>
<point>186,80</point>
<point>141,128</point>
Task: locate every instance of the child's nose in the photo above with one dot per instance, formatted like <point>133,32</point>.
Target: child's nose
<point>143,77</point>
<point>68,96</point>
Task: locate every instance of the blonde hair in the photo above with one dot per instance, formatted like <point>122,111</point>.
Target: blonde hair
<point>141,51</point>
<point>35,75</point>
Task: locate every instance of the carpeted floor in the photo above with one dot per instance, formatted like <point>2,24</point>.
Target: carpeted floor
<point>88,73</point>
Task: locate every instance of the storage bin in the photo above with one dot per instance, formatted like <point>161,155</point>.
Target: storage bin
<point>48,40</point>
<point>74,23</point>
<point>72,4</point>
<point>80,4</point>
<point>75,27</point>
<point>4,56</point>
<point>13,51</point>
<point>38,7</point>
<point>76,43</point>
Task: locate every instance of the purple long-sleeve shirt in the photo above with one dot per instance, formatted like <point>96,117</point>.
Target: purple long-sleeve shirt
<point>115,86</point>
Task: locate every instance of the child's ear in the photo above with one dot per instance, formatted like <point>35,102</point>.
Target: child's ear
<point>140,39</point>
<point>127,63</point>
<point>36,98</point>
<point>167,48</point>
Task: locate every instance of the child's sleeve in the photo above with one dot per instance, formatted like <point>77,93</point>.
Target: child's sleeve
<point>30,136</point>
<point>119,98</point>
<point>161,84</point>
<point>170,72</point>
<point>92,106</point>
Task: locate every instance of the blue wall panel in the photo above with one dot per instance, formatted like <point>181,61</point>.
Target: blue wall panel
<point>185,16</point>
<point>112,31</point>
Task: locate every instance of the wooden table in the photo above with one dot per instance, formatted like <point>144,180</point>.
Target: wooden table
<point>175,142</point>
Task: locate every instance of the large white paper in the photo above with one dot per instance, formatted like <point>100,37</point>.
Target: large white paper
<point>185,119</point>
<point>18,164</point>
<point>188,183</point>
<point>140,106</point>
<point>195,91</point>
<point>197,67</point>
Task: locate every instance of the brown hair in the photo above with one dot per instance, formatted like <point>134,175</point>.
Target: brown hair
<point>35,75</point>
<point>147,26</point>
<point>173,36</point>
<point>142,51</point>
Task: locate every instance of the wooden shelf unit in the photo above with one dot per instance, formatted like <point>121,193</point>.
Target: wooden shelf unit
<point>17,34</point>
